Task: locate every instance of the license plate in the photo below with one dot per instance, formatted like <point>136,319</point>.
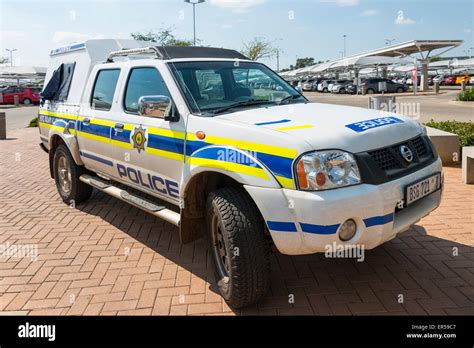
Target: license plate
<point>422,188</point>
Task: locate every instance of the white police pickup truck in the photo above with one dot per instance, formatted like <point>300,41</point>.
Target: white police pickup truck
<point>221,146</point>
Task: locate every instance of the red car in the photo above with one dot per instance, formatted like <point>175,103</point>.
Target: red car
<point>26,95</point>
<point>450,80</point>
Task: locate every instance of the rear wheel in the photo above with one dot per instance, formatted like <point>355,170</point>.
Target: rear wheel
<point>66,176</point>
<point>325,90</point>
<point>26,101</point>
<point>370,91</point>
<point>238,246</point>
<point>342,91</point>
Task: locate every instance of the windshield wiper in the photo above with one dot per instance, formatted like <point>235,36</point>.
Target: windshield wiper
<point>289,98</point>
<point>240,104</point>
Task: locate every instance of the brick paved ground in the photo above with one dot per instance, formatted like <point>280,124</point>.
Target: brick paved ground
<point>105,257</point>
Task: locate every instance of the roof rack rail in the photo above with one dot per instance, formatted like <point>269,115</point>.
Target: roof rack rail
<point>129,52</point>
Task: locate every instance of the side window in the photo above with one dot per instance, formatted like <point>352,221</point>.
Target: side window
<point>19,90</point>
<point>104,89</point>
<point>210,84</point>
<point>143,82</point>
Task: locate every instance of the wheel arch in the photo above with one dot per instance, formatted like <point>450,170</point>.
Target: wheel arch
<point>193,211</point>
<point>69,141</point>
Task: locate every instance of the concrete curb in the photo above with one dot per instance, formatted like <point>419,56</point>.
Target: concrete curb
<point>447,144</point>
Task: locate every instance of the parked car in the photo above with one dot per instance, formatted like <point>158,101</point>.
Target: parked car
<point>357,178</point>
<point>351,88</point>
<point>315,85</point>
<point>460,79</point>
<point>339,86</point>
<point>450,80</point>
<point>323,86</point>
<point>372,86</point>
<point>307,85</point>
<point>402,80</point>
<point>26,96</point>
<point>471,80</point>
<point>439,79</point>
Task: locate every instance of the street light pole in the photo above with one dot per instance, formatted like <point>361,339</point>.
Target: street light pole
<point>11,54</point>
<point>194,3</point>
<point>344,36</point>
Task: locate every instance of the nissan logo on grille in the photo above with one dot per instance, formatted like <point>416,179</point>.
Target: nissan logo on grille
<point>406,153</point>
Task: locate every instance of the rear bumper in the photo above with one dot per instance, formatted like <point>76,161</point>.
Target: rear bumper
<point>307,222</point>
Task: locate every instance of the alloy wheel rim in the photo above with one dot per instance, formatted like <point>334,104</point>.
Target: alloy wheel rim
<point>221,254</point>
<point>64,174</point>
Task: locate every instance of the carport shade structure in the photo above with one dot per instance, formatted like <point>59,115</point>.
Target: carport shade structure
<point>422,47</point>
<point>22,72</point>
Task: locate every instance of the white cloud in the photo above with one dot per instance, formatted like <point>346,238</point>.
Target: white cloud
<point>237,5</point>
<point>468,30</point>
<point>342,3</point>
<point>67,37</point>
<point>12,35</point>
<point>402,20</point>
<point>369,13</point>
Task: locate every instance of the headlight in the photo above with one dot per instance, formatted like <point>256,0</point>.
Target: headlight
<point>322,170</point>
<point>423,129</point>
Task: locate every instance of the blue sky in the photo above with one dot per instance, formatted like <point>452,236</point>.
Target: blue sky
<point>300,27</point>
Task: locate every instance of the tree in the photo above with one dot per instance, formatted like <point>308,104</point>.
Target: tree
<point>164,37</point>
<point>304,62</point>
<point>258,48</point>
<point>301,63</point>
<point>4,60</point>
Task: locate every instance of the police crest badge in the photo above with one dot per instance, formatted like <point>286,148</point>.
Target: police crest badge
<point>139,139</point>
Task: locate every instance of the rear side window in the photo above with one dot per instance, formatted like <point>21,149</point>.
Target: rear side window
<point>104,89</point>
<point>143,82</point>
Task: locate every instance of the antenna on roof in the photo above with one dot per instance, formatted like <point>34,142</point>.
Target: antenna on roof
<point>129,52</point>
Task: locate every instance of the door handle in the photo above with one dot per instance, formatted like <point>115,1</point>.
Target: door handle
<point>119,127</point>
<point>86,121</point>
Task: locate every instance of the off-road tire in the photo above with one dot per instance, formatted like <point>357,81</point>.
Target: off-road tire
<point>79,191</point>
<point>248,248</point>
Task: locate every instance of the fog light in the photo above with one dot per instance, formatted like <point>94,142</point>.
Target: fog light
<point>347,230</point>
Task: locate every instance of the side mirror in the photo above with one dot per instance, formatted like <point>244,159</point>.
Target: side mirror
<point>158,106</point>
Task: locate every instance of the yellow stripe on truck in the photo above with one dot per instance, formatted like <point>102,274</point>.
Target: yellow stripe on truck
<point>228,166</point>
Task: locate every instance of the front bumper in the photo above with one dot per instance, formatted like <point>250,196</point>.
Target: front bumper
<point>307,222</point>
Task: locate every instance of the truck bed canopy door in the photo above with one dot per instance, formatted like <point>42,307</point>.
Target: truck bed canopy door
<point>57,88</point>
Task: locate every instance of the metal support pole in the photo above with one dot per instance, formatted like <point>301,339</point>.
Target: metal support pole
<point>194,23</point>
<point>3,126</point>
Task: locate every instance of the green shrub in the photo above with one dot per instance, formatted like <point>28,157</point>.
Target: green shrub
<point>34,122</point>
<point>467,95</point>
<point>465,130</point>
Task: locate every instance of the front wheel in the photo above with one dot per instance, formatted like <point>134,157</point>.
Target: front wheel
<point>26,101</point>
<point>66,176</point>
<point>238,246</point>
<point>400,90</point>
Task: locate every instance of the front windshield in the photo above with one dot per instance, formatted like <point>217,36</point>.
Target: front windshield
<point>217,86</point>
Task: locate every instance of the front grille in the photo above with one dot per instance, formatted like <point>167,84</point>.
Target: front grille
<point>385,159</point>
<point>385,164</point>
<point>420,147</point>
